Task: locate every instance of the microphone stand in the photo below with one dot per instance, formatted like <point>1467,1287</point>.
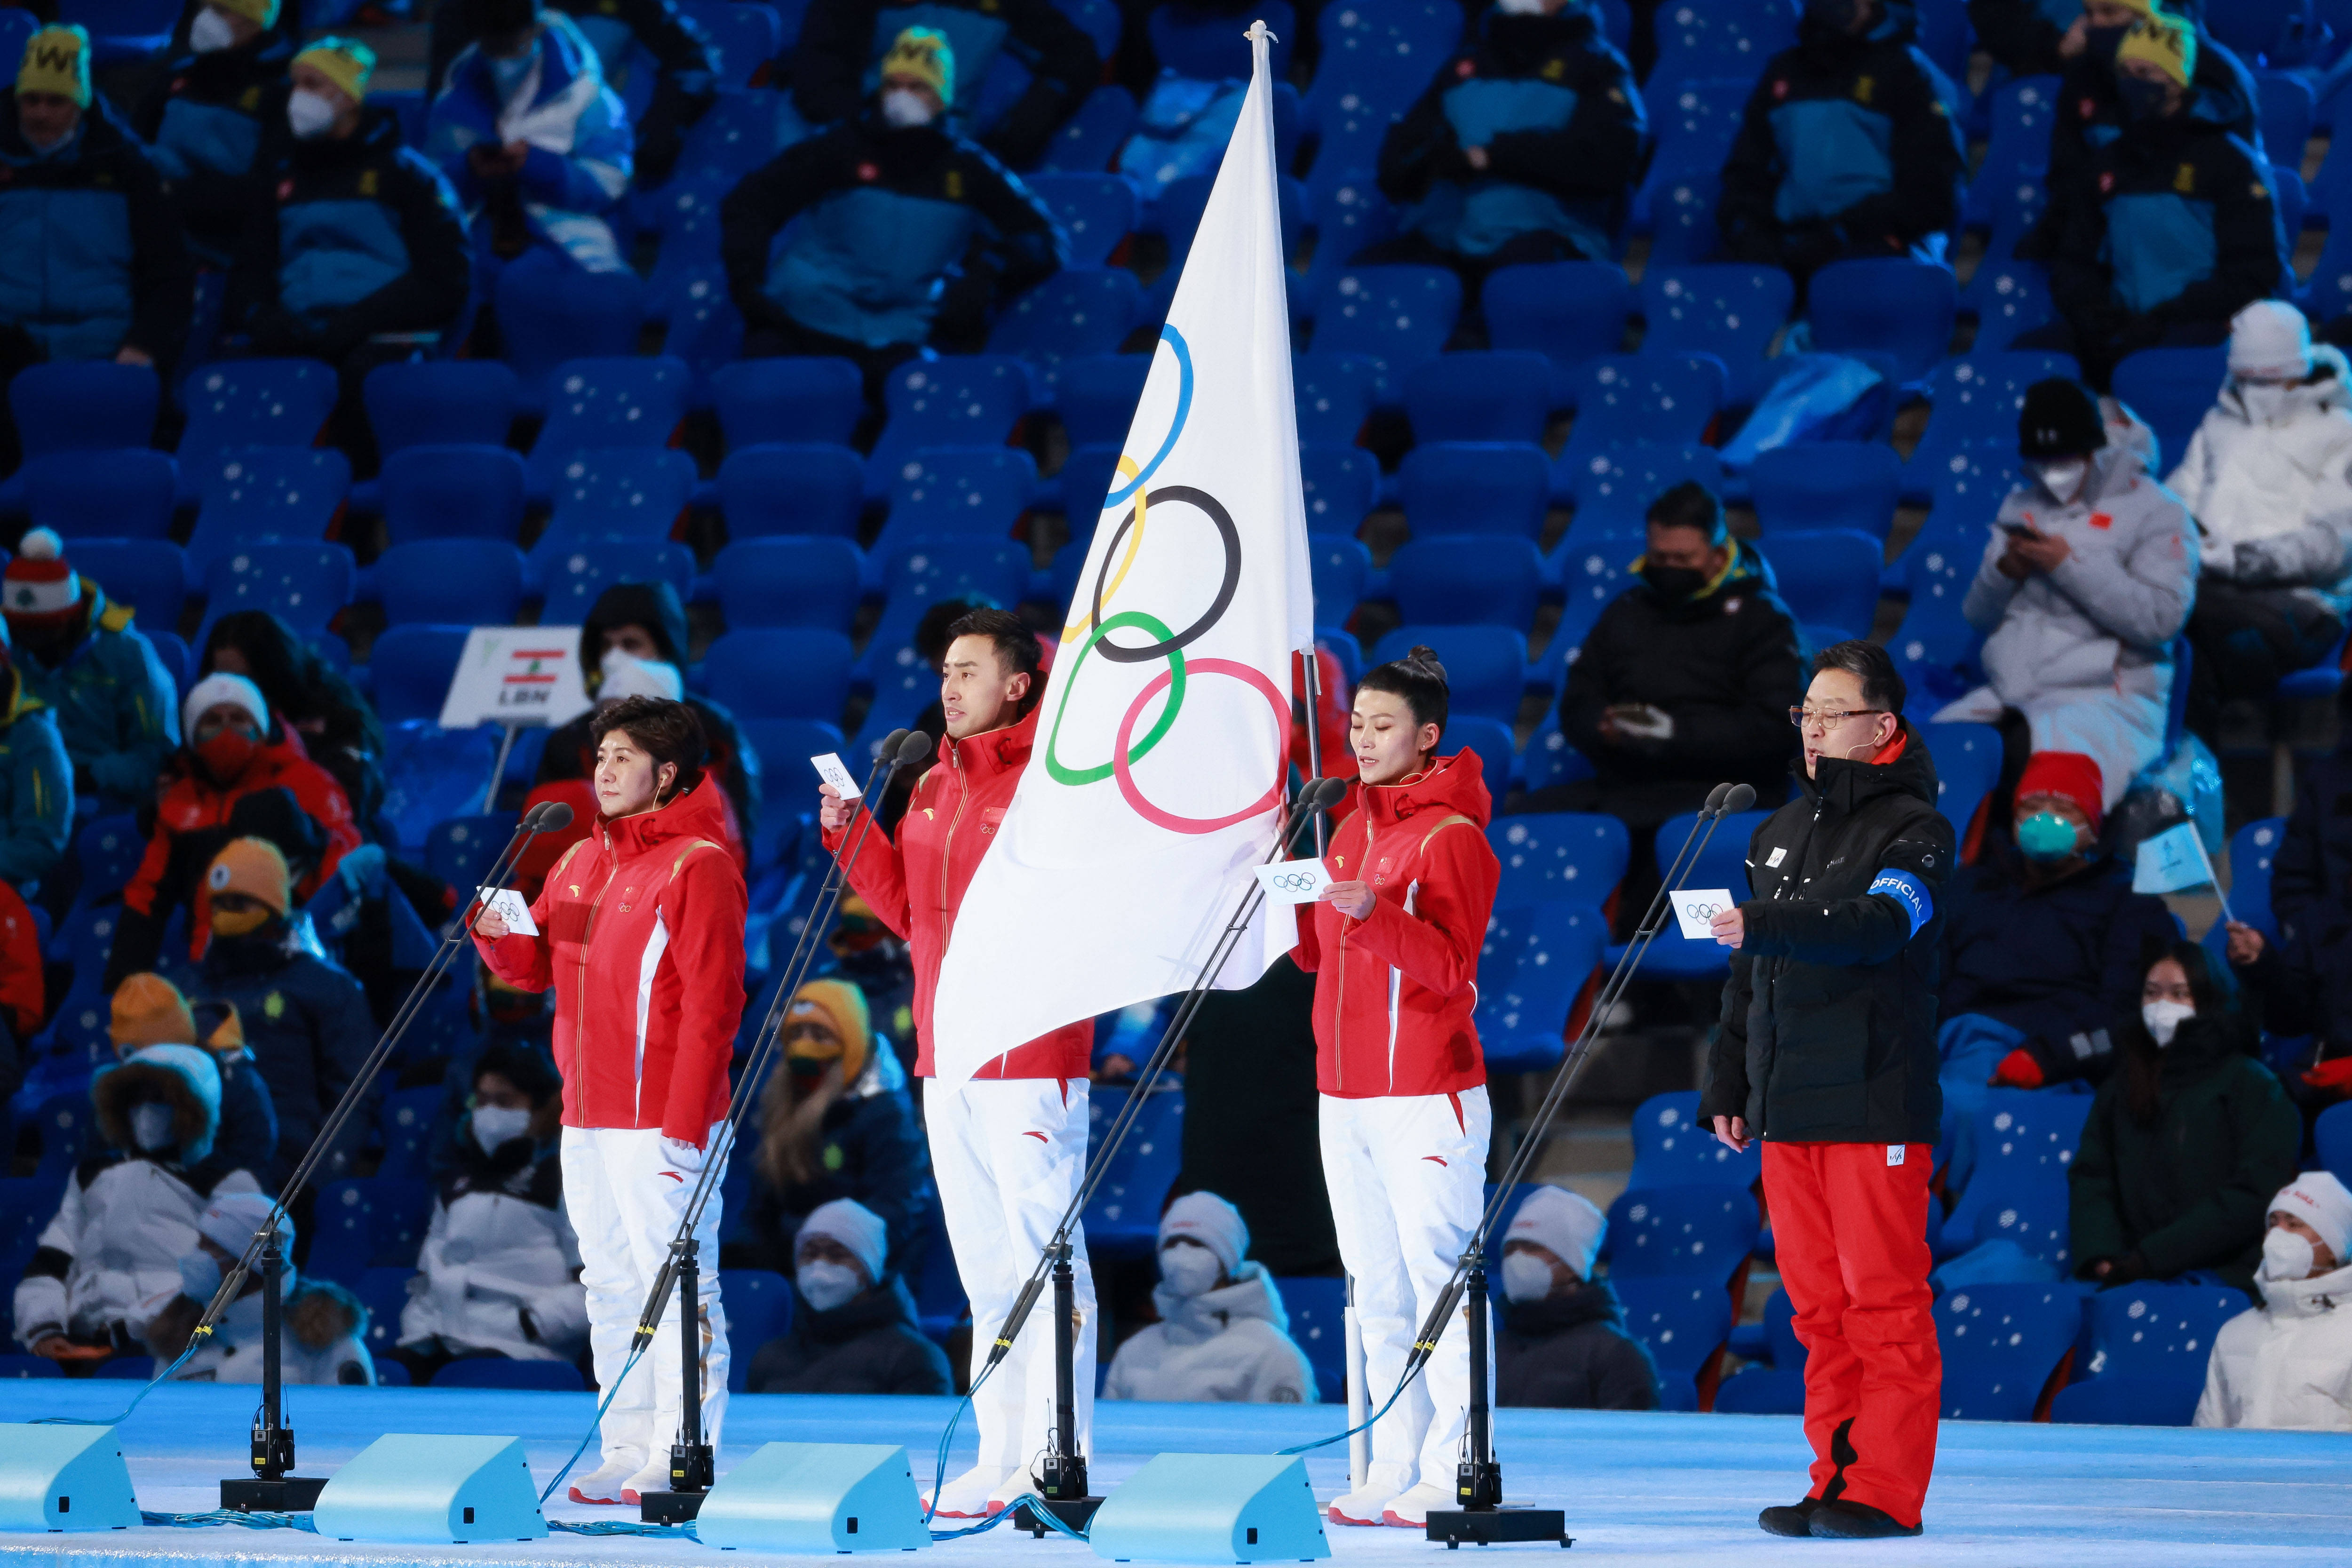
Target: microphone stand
<point>274,1489</point>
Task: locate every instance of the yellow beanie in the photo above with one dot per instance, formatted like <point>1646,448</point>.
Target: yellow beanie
<point>842,1006</point>
<point>346,62</point>
<point>2163,41</point>
<point>262,14</point>
<point>252,867</point>
<point>148,1010</point>
<point>57,61</point>
<point>925,55</point>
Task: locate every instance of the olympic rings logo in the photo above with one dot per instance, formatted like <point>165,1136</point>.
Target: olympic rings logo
<point>1291,881</point>
<point>1705,911</point>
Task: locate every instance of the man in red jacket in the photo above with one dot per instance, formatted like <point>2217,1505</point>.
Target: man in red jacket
<point>1009,1147</point>
<point>641,937</point>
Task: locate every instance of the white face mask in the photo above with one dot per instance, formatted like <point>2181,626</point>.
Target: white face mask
<point>2287,1256</point>
<point>308,114</point>
<point>1526,1277</point>
<point>824,1286</point>
<point>904,108</point>
<point>1188,1270</point>
<point>151,1127</point>
<point>2266,402</point>
<point>497,1124</point>
<point>508,74</point>
<point>210,32</point>
<point>2064,478</point>
<point>1520,7</point>
<point>2164,1018</point>
<point>199,1276</point>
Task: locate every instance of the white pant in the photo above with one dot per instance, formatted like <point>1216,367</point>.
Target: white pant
<point>2123,733</point>
<point>625,1197</point>
<point>1008,1154</point>
<point>1407,1175</point>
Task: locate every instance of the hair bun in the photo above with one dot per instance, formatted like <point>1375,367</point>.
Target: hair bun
<point>1423,661</point>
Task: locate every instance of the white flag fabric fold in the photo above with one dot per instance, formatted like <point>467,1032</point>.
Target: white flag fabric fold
<point>1163,734</point>
<point>2171,861</point>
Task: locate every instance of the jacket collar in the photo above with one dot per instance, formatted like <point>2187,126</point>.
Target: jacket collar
<point>1589,1302</point>
<point>880,1306</point>
<point>1455,785</point>
<point>1850,785</point>
<point>993,751</point>
<point>1251,1293</point>
<point>696,814</point>
<point>2308,1298</point>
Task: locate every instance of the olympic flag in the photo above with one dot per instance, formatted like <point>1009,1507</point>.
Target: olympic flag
<point>1163,734</point>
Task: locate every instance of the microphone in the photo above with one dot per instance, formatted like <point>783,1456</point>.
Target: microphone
<point>549,816</point>
<point>1320,793</point>
<point>1739,797</point>
<point>890,743</point>
<point>1714,806</point>
<point>912,747</point>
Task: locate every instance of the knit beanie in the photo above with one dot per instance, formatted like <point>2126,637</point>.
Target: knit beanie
<point>924,55</point>
<point>1210,1220</point>
<point>2164,41</point>
<point>214,690</point>
<point>57,61</point>
<point>229,1221</point>
<point>842,1006</point>
<point>2321,1202</point>
<point>252,867</point>
<point>148,1010</point>
<point>39,584</point>
<point>346,62</point>
<point>2268,338</point>
<point>1563,1223</point>
<point>262,14</point>
<point>855,1226</point>
<point>2070,775</point>
<point>625,675</point>
<point>2060,419</point>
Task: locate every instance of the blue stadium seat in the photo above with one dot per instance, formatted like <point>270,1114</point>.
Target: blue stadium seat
<point>461,850</point>
<point>107,849</point>
<point>1342,485</point>
<point>1083,483</point>
<point>1091,138</point>
<point>1593,569</point>
<point>1761,1391</point>
<point>498,1372</point>
<point>918,571</point>
<point>127,494</point>
<point>1681,202</point>
<point>2023,1140</point>
<point>1808,486</point>
<point>1885,305</point>
<point>1722,863</point>
<point>616,493</point>
<point>1096,212</point>
<point>1696,121</point>
<point>1672,1148</point>
<point>608,403</point>
<point>789,583</point>
<point>304,585</point>
<point>267,493</point>
<point>2009,300</point>
<point>1729,311</point>
<point>1976,398</point>
<point>1469,580</point>
<point>1571,856</point>
<point>2332,1135</point>
<point>742,667</point>
<point>1485,667</point>
<point>451,492</point>
<point>1645,397</point>
<point>64,1125</point>
<point>2158,1332</point>
<point>1318,1305</point>
<point>405,1125</point>
<point>1829,580</point>
<point>1206,46</point>
<point>385,1293</point>
<point>2171,389</point>
<point>1490,740</point>
<point>1968,762</point>
<point>979,490</point>
<point>778,489</point>
<point>1728,39</point>
<point>759,1309</point>
<point>13,1364</point>
<point>409,671</point>
<point>1502,395</point>
<point>1340,568</point>
<point>1533,966</point>
<point>1077,310</point>
<point>702,329</point>
<point>2018,148</point>
<point>1685,1324</point>
<point>254,402</point>
<point>1375,61</point>
<point>127,1369</point>
<point>1348,210</point>
<point>744,37</point>
<point>1568,311</point>
<point>1547,759</point>
<point>552,312</point>
<point>82,406</point>
<point>441,403</point>
<point>784,744</point>
<point>1703,1232</point>
<point>2128,1401</point>
<point>1335,394</point>
<point>1613,486</point>
<point>451,581</point>
<point>1965,485</point>
<point>1096,396</point>
<point>2001,1344</point>
<point>970,400</point>
<point>791,400</point>
<point>364,1223</point>
<point>734,136</point>
<point>2253,849</point>
<point>1123,1220</point>
<point>1475,486</point>
<point>2029,1213</point>
<point>1399,315</point>
<point>573,578</point>
<point>1936,651</point>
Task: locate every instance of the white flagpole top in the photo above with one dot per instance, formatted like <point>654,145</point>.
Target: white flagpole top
<point>1258,33</point>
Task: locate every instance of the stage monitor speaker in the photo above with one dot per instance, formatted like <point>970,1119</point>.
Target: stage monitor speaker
<point>816,1498</point>
<point>59,1478</point>
<point>424,1489</point>
<point>1212,1508</point>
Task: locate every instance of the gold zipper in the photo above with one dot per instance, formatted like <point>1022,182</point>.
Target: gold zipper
<point>947,845</point>
<point>587,933</point>
<point>1339,1001</point>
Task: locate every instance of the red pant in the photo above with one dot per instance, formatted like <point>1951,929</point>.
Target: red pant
<point>1850,1232</point>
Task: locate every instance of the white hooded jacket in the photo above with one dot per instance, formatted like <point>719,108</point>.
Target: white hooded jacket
<point>500,1246</point>
<point>2288,1364</point>
<point>2275,497</point>
<point>1230,1345</point>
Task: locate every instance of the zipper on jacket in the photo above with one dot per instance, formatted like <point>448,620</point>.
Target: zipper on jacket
<point>947,847</point>
<point>1340,998</point>
<point>587,934</point>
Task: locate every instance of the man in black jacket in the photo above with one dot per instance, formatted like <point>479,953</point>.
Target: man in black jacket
<point>1826,1051</point>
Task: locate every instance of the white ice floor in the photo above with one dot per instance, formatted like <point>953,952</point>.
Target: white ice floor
<point>1637,1488</point>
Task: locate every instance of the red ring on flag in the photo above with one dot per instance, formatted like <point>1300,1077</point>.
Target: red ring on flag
<point>1159,683</point>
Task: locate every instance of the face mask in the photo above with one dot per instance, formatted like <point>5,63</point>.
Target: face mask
<point>1526,1277</point>
<point>199,1275</point>
<point>2163,1019</point>
<point>508,74</point>
<point>2046,836</point>
<point>495,1125</point>
<point>2287,1256</point>
<point>210,32</point>
<point>151,1127</point>
<point>228,754</point>
<point>1520,8</point>
<point>1189,1271</point>
<point>1837,15</point>
<point>824,1286</point>
<point>2064,478</point>
<point>45,148</point>
<point>1675,584</point>
<point>2142,99</point>
<point>308,114</point>
<point>2266,402</point>
<point>904,109</point>
<point>238,923</point>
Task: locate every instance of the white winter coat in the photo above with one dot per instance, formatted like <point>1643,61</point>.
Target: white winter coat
<point>492,1252</point>
<point>233,1352</point>
<point>1231,1345</point>
<point>2287,1364</point>
<point>2275,500</point>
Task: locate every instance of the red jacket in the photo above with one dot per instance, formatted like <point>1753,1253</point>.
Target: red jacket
<point>1393,994</point>
<point>23,986</point>
<point>916,885</point>
<point>640,935</point>
<point>194,803</point>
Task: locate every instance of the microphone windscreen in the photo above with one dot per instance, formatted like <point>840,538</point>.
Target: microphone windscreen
<point>914,748</point>
<point>1330,791</point>
<point>551,816</point>
<point>1741,796</point>
<point>1715,798</point>
<point>888,749</point>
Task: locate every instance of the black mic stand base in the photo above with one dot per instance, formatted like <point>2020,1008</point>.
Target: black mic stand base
<point>1079,1513</point>
<point>1062,1486</point>
<point>288,1494</point>
<point>269,1489</point>
<point>669,1508</point>
<point>1498,1525</point>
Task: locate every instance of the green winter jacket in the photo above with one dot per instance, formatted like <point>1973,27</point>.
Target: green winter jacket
<point>115,707</point>
<point>36,789</point>
<point>2190,1189</point>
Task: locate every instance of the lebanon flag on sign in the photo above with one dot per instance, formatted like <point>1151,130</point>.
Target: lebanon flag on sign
<point>1163,734</point>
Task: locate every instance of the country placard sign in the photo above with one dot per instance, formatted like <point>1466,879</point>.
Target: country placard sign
<point>523,676</point>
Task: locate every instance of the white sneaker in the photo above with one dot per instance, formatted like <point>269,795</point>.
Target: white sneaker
<point>972,1495</point>
<point>604,1484</point>
<point>1410,1508</point>
<point>654,1477</point>
<point>1361,1507</point>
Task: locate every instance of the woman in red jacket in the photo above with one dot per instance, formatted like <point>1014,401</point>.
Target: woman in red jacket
<point>641,938</point>
<point>1394,950</point>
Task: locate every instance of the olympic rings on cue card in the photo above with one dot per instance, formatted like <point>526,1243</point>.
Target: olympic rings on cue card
<point>1169,819</point>
<point>1705,911</point>
<point>1063,774</point>
<point>1291,881</point>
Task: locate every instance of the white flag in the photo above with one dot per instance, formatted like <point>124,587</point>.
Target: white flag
<point>2172,861</point>
<point>1163,736</point>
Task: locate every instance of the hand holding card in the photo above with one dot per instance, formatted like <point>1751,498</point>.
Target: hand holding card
<point>1293,881</point>
<point>1695,908</point>
<point>829,768</point>
<point>508,904</point>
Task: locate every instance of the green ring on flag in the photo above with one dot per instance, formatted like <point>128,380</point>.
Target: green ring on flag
<point>1174,340</point>
<point>1063,774</point>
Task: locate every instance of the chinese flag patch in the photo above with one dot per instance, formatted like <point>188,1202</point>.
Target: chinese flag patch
<point>2101,519</point>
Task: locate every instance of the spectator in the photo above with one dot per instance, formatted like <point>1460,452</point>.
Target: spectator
<point>24,988</point>
<point>148,1010</point>
<point>2088,578</point>
<point>2172,230</point>
<point>842,44</point>
<point>2268,476</point>
<point>2287,1364</point>
<point>37,802</point>
<point>209,116</point>
<point>115,708</point>
<point>1845,148</point>
<point>1684,681</point>
<point>963,232</point>
<point>839,1122</point>
<point>626,33</point>
<point>230,748</point>
<point>536,144</point>
<point>2309,969</point>
<point>338,730</point>
<point>109,1259</point>
<point>1223,1335</point>
<point>1522,148</point>
<point>324,1342</point>
<point>1563,1344</point>
<point>499,1272</point>
<point>360,253</point>
<point>856,1333</point>
<point>2186,1141</point>
<point>305,1017</point>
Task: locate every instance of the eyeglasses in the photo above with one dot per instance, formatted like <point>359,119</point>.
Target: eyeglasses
<point>1828,718</point>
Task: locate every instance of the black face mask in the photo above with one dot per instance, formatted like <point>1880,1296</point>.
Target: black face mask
<point>1837,15</point>
<point>2101,43</point>
<point>2143,101</point>
<point>1675,584</point>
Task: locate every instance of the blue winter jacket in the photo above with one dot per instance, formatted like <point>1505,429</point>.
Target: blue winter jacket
<point>2183,231</point>
<point>204,121</point>
<point>116,709</point>
<point>36,789</point>
<point>306,1021</point>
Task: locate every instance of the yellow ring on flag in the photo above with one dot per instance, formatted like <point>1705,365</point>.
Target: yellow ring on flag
<point>1127,469</point>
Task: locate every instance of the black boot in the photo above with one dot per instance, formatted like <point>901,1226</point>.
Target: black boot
<point>1857,1522</point>
<point>1793,1520</point>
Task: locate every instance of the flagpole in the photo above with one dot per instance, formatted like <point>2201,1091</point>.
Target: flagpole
<point>2211,875</point>
<point>1314,728</point>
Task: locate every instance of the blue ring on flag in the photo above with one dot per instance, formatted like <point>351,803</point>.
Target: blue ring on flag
<point>1174,340</point>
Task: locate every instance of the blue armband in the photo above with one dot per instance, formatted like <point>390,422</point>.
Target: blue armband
<point>1910,892</point>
